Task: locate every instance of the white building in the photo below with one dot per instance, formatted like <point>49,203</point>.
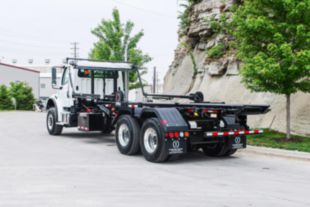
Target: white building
<point>46,89</point>
<point>11,73</point>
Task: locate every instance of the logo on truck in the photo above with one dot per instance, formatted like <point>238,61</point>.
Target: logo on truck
<point>176,144</point>
<point>237,140</point>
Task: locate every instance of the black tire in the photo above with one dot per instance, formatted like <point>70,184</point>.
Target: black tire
<point>230,152</point>
<point>127,140</point>
<point>218,150</point>
<point>159,153</point>
<point>106,131</point>
<point>51,119</point>
<point>215,150</point>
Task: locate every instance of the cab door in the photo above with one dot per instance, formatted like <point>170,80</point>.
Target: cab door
<point>64,98</point>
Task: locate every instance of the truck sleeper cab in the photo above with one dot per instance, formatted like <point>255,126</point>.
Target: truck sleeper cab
<point>93,96</point>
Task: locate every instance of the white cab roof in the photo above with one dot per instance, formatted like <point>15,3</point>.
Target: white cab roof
<point>94,65</point>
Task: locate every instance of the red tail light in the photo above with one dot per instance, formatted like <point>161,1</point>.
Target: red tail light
<point>132,106</point>
<point>211,111</point>
<point>190,110</point>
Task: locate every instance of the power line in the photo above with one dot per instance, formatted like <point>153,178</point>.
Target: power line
<point>28,37</point>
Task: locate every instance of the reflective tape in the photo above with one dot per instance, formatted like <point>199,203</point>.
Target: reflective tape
<point>219,134</point>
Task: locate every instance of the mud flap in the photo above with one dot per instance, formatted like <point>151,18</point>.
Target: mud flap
<point>237,142</point>
<point>176,146</point>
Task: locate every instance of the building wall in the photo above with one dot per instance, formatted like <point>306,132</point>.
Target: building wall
<point>46,89</point>
<point>10,73</point>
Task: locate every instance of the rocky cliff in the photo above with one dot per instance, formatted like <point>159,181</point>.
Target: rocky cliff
<point>218,78</point>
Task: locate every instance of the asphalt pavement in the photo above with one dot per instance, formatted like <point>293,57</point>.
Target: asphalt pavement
<point>86,169</point>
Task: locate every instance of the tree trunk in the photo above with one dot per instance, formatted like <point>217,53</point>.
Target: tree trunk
<point>288,116</point>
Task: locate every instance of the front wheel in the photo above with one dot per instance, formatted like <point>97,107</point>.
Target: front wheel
<point>152,141</point>
<point>51,120</point>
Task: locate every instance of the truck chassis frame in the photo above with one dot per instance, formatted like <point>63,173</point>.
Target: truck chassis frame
<point>159,130</point>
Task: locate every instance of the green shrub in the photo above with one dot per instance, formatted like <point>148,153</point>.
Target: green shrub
<point>217,51</point>
<point>5,99</point>
<point>214,24</point>
<point>23,95</point>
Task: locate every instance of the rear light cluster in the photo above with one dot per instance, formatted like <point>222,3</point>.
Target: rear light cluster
<point>108,105</point>
<point>133,106</point>
<point>176,134</point>
<point>211,111</point>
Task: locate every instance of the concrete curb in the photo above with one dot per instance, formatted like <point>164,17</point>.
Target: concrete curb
<point>296,155</point>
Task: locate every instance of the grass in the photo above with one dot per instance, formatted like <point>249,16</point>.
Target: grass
<point>274,139</point>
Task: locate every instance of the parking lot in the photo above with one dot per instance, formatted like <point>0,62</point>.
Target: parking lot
<point>86,169</point>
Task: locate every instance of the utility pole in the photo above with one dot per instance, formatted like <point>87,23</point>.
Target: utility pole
<point>154,80</point>
<point>75,49</point>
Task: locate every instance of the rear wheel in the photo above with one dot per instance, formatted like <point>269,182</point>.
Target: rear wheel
<point>218,150</point>
<point>51,120</point>
<point>152,141</point>
<point>214,150</point>
<point>230,152</point>
<point>127,135</point>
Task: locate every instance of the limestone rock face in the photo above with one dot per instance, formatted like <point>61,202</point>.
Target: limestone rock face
<point>205,10</point>
<point>233,66</point>
<point>219,78</point>
<point>217,68</point>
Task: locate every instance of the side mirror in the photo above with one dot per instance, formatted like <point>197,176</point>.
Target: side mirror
<point>54,79</point>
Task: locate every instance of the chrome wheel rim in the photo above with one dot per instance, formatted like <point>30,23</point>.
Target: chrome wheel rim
<point>123,135</point>
<point>50,121</point>
<point>150,140</point>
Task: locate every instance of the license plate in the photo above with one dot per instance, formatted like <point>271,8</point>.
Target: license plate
<point>213,115</point>
<point>193,124</point>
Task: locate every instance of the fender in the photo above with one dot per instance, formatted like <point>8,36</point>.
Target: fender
<point>170,118</point>
<point>52,103</point>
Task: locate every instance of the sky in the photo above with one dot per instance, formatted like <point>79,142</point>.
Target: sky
<point>44,29</point>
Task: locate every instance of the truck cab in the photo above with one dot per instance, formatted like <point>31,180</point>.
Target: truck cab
<point>85,86</point>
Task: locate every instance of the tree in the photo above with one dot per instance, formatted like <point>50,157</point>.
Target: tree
<point>273,41</point>
<point>5,99</point>
<point>23,95</point>
<point>116,43</point>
